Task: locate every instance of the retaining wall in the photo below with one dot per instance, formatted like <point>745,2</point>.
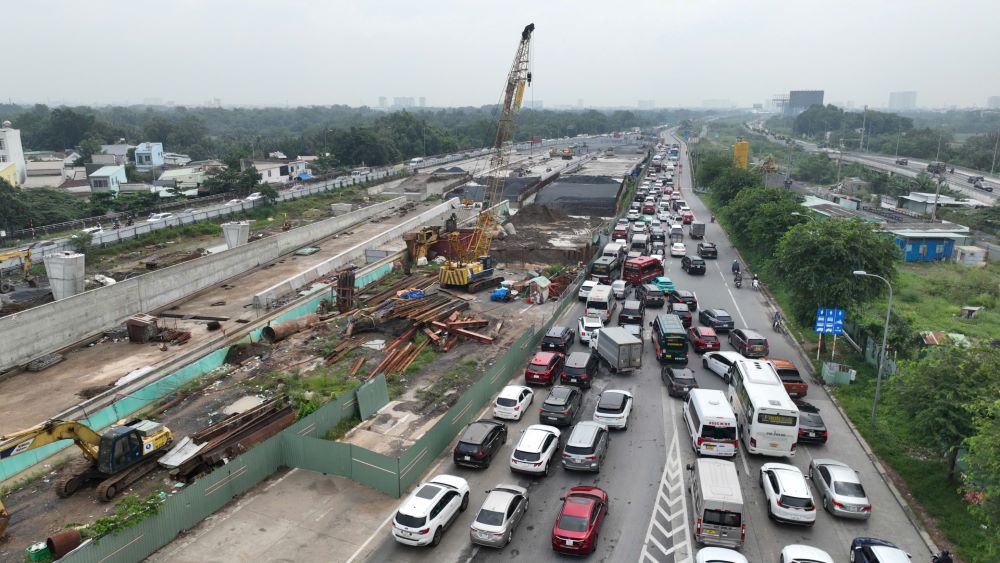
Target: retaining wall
<point>55,325</point>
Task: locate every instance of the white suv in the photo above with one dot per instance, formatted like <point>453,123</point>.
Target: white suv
<point>585,288</point>
<point>535,450</point>
<point>429,510</point>
<point>788,496</point>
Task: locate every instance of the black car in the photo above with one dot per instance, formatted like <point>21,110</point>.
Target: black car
<point>558,339</point>
<point>650,295</point>
<point>678,380</point>
<point>683,296</point>
<point>683,311</point>
<point>812,430</point>
<point>562,406</point>
<point>480,441</point>
<point>632,313</point>
<point>580,369</point>
<point>707,250</point>
<point>719,319</point>
<point>693,265</point>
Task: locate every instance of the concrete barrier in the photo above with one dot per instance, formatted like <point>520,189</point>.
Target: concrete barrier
<point>50,327</point>
<point>353,254</point>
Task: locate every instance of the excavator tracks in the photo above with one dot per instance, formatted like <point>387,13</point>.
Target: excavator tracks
<point>73,477</point>
<point>109,488</point>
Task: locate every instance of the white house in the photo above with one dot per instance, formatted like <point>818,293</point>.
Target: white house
<point>11,150</point>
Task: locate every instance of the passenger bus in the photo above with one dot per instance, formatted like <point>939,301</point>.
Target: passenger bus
<point>669,339</point>
<point>642,269</point>
<point>605,269</point>
<point>768,419</point>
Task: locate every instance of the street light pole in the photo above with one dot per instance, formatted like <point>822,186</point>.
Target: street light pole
<point>885,336</point>
<point>995,147</point>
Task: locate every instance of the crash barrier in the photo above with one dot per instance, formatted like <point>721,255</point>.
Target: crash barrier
<point>50,327</point>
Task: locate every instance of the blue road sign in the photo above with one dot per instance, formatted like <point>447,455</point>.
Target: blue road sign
<point>829,321</point>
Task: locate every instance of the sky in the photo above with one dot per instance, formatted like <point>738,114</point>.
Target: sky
<point>455,53</point>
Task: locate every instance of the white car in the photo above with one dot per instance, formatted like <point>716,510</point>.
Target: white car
<point>619,288</point>
<point>623,222</point>
<point>89,231</point>
<point>719,555</point>
<point>586,325</point>
<point>504,508</point>
<point>429,510</point>
<point>512,402</point>
<point>678,249</point>
<point>787,494</point>
<point>658,256</point>
<point>585,288</point>
<point>256,196</point>
<point>663,216</point>
<point>720,362</point>
<point>232,202</point>
<point>154,217</point>
<point>613,408</point>
<point>633,215</point>
<point>536,450</point>
<point>798,553</point>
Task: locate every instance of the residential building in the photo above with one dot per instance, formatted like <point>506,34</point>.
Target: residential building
<point>108,179</point>
<point>969,255</point>
<point>149,155</point>
<point>188,178</point>
<point>106,160</point>
<point>43,174</point>
<point>11,150</point>
<point>8,172</point>
<point>176,159</point>
<point>924,246</point>
<point>279,171</point>
<point>801,100</point>
<point>402,102</point>
<point>993,102</point>
<point>902,101</point>
<point>923,203</point>
<point>119,151</point>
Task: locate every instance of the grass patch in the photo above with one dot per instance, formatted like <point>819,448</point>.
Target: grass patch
<point>340,429</point>
<point>425,357</point>
<point>449,381</point>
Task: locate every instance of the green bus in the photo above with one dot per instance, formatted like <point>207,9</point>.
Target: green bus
<point>670,339</point>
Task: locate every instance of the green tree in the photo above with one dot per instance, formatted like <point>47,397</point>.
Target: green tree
<point>732,181</point>
<point>770,221</point>
<point>816,168</point>
<point>12,211</point>
<point>233,180</point>
<point>817,259</point>
<point>739,212</point>
<point>88,148</point>
<point>709,165</point>
<point>982,477</point>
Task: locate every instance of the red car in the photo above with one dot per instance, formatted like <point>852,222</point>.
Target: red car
<point>703,339</point>
<point>583,512</point>
<point>544,368</point>
<point>687,218</point>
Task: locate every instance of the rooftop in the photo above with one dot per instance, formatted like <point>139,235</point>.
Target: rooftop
<point>924,197</point>
<point>107,171</point>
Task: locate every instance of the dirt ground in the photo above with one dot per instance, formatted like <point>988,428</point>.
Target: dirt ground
<point>548,235</point>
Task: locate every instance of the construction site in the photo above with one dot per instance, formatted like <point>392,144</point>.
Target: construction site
<point>149,384</point>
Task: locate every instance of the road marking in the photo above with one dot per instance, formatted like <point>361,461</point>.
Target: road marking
<point>475,552</point>
<point>746,466</point>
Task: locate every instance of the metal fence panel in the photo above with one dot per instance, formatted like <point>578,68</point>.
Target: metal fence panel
<point>317,454</point>
<point>375,470</point>
<point>372,396</point>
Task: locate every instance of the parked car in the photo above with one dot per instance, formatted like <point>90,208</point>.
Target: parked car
<point>812,429</point>
<point>874,550</point>
<point>586,447</point>
<point>678,249</point>
<point>787,495</point>
<point>535,450</point>
<point>502,511</point>
<point>693,265</point>
<point>580,369</point>
<point>650,295</point>
<point>429,510</point>
<point>683,311</point>
<point>512,401</point>
<point>707,250</point>
<point>479,442</point>
<point>585,288</point>
<point>703,339</point>
<point>614,406</point>
<point>558,339</point>
<point>719,555</point>
<point>720,362</point>
<point>664,283</point>
<point>586,325</point>
<point>797,553</point>
<point>562,406</point>
<point>578,523</point>
<point>718,319</point>
<point>543,368</point>
<point>748,342</point>
<point>679,381</point>
<point>684,296</point>
<point>840,489</point>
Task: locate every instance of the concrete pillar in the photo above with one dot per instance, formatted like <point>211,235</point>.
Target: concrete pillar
<point>337,209</point>
<point>65,271</point>
<point>236,234</point>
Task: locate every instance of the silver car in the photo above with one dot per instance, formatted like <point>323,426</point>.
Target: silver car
<point>586,447</point>
<point>503,509</point>
<point>840,489</point>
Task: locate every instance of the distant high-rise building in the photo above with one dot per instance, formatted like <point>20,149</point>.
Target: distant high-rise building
<point>902,101</point>
<point>402,102</point>
<point>422,101</point>
<point>779,102</point>
<point>993,102</point>
<point>383,102</point>
<point>579,102</point>
<point>647,104</point>
<point>801,100</point>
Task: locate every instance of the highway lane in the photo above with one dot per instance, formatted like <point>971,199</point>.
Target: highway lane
<point>766,538</point>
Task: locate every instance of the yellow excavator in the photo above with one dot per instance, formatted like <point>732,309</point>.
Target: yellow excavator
<point>115,459</point>
<point>24,255</point>
<point>474,270</point>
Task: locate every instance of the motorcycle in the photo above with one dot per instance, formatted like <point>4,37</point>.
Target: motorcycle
<point>738,281</point>
<point>713,218</point>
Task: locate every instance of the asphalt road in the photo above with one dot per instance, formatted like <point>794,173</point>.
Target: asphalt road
<point>649,517</point>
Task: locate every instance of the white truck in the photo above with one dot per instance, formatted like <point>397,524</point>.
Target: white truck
<point>618,348</point>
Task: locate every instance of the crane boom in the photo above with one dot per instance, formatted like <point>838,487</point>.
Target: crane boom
<point>49,432</point>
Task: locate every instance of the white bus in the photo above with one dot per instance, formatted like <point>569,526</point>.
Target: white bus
<point>768,419</point>
<point>711,423</point>
<point>601,303</point>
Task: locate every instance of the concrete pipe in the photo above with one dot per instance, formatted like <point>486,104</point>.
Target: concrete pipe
<point>64,542</point>
<point>280,331</point>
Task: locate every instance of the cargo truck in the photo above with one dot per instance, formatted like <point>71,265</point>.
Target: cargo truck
<point>618,348</point>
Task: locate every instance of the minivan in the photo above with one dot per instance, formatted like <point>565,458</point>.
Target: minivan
<point>717,502</point>
<point>650,295</point>
<point>749,342</point>
<point>586,447</point>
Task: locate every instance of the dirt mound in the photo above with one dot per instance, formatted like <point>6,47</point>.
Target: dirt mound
<point>537,214</point>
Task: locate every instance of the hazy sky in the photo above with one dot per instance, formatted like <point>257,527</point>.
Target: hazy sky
<point>609,53</point>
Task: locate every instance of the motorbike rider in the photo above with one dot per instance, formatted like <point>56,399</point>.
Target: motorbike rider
<point>755,282</point>
<point>713,217</point>
<point>943,557</point>
<point>776,320</point>
<point>736,266</point>
<point>738,279</point>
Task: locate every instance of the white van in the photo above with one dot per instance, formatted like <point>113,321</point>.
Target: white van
<point>711,423</point>
<point>601,303</point>
<point>614,250</point>
<point>717,502</point>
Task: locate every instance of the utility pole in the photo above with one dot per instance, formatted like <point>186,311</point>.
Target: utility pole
<point>937,194</point>
<point>864,127</point>
<point>995,147</point>
<point>938,157</point>
<point>899,134</point>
